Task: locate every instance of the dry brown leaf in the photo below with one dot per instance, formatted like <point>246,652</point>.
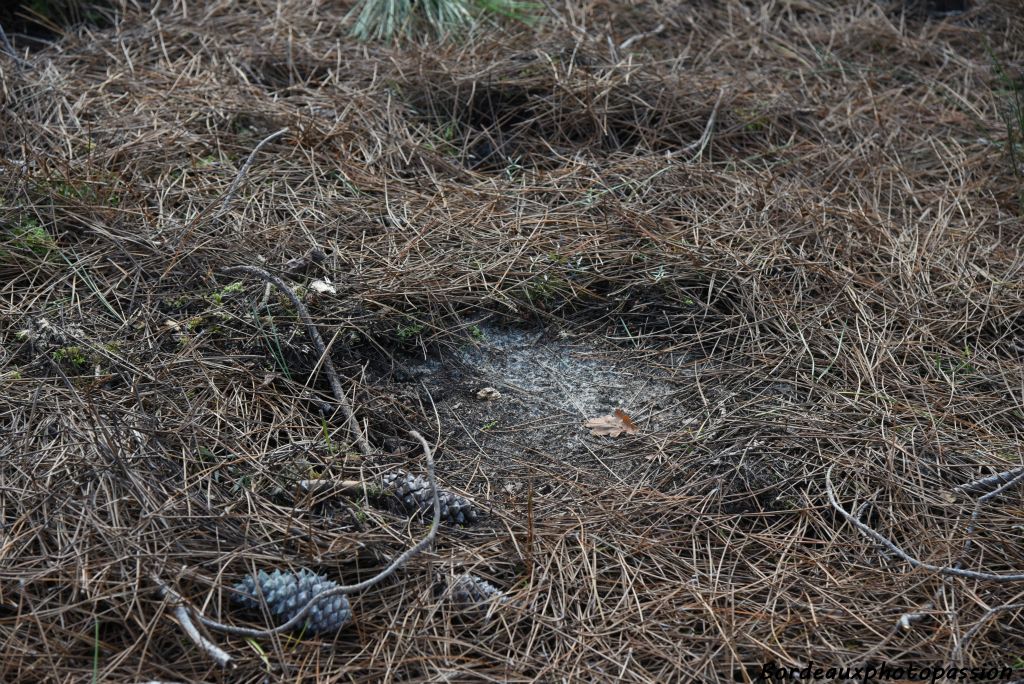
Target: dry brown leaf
<point>612,425</point>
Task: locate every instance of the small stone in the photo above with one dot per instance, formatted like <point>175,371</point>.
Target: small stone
<point>323,286</point>
<point>488,394</point>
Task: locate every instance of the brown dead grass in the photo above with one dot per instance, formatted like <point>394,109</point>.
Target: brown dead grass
<point>852,227</point>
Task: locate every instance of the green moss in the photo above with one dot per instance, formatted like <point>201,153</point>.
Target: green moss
<point>407,332</point>
<point>73,355</point>
<point>28,236</point>
<point>226,291</point>
<point>179,302</point>
<point>544,289</point>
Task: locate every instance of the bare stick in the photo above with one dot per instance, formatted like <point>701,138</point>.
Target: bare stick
<point>5,44</point>
<point>970,634</point>
<point>701,143</point>
<point>1004,480</point>
<point>984,483</point>
<point>245,169</point>
<point>351,588</point>
<point>628,43</point>
<point>185,620</point>
<point>884,541</point>
<point>332,375</point>
<point>1014,478</point>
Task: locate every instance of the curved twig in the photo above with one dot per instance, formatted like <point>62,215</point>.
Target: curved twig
<point>983,484</point>
<point>973,631</point>
<point>1001,481</point>
<point>348,589</point>
<point>7,48</point>
<point>884,541</point>
<point>1011,479</point>
<point>702,142</point>
<point>245,169</point>
<point>218,655</point>
<point>332,375</point>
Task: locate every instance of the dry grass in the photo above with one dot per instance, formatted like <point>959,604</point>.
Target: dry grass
<point>851,226</point>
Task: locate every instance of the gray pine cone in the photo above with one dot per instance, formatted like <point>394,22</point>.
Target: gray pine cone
<point>469,590</point>
<point>411,494</point>
<point>287,592</point>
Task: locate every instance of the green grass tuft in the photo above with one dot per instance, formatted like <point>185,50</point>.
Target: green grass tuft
<point>386,19</point>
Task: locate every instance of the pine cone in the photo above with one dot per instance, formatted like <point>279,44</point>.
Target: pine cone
<point>285,593</point>
<point>468,590</point>
<point>411,494</point>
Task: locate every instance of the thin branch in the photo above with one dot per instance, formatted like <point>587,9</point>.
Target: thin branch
<point>701,143</point>
<point>245,169</point>
<point>884,541</point>
<point>8,48</point>
<point>348,589</point>
<point>332,375</point>
<point>185,620</point>
<point>970,634</point>
<point>628,43</point>
<point>984,484</point>
<point>1015,478</point>
<point>1005,480</point>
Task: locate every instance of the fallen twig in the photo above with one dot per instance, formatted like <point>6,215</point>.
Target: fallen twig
<point>245,169</point>
<point>1005,480</point>
<point>1014,477</point>
<point>8,48</point>
<point>185,620</point>
<point>884,541</point>
<point>985,484</point>
<point>187,229</point>
<point>297,619</point>
<point>970,634</point>
<point>314,334</point>
<point>701,143</point>
<point>626,44</point>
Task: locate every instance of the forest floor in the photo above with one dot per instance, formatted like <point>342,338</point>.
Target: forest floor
<point>777,244</point>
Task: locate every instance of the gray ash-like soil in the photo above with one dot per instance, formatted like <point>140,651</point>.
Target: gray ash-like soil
<point>533,437</point>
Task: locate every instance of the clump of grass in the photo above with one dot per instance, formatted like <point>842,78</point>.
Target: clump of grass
<point>73,355</point>
<point>384,19</point>
<point>218,296</point>
<point>53,14</point>
<point>1010,93</point>
<point>410,331</point>
<point>26,236</point>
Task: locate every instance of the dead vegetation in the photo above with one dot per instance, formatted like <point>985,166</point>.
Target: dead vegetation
<point>800,220</point>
